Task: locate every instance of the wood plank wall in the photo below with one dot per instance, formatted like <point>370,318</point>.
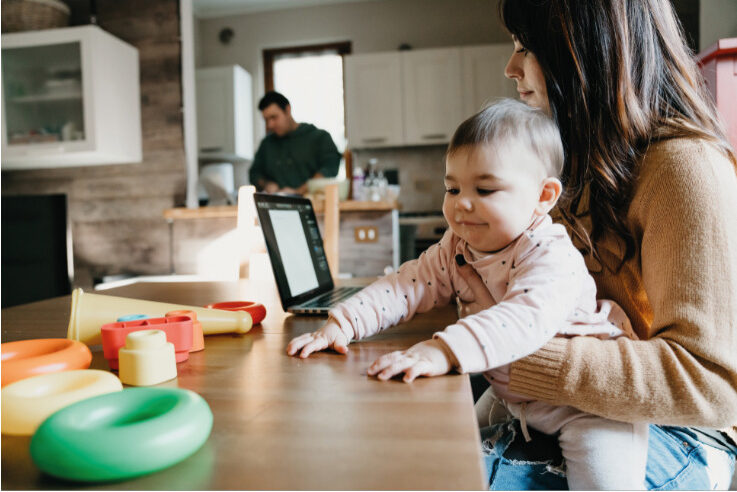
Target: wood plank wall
<point>115,210</point>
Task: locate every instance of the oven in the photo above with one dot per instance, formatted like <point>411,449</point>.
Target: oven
<point>418,231</point>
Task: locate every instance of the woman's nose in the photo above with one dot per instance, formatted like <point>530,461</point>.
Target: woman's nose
<point>513,69</point>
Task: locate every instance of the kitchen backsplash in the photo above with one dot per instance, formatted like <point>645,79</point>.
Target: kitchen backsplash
<point>421,172</point>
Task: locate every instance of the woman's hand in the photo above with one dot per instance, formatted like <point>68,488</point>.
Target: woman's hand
<point>428,358</point>
<point>329,336</point>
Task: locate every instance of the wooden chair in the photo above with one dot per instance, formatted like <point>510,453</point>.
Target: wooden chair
<point>332,228</point>
<point>250,238</point>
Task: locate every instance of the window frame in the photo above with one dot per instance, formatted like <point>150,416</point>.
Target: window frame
<point>269,55</point>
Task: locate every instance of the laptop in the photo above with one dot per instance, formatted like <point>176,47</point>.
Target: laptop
<point>297,255</point>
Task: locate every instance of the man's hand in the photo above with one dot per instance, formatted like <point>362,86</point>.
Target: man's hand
<point>428,358</point>
<point>329,336</point>
<point>271,187</point>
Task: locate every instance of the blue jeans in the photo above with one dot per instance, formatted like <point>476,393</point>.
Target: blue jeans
<point>676,460</point>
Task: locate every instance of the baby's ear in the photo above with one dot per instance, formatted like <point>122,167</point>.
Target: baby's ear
<point>551,190</point>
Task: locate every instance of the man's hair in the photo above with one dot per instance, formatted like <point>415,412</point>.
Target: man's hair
<point>273,97</point>
<point>509,121</point>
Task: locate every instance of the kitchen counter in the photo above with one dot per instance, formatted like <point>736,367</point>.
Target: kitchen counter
<point>232,210</point>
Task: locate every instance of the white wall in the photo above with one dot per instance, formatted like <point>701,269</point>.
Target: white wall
<point>717,20</point>
<point>370,26</point>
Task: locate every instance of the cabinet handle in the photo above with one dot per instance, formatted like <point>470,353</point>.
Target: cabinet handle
<point>210,149</point>
<point>433,136</point>
<point>374,140</point>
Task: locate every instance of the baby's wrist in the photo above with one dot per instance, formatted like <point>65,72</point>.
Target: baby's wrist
<point>348,333</point>
<point>452,361</point>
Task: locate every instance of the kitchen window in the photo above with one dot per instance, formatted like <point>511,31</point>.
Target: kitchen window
<point>311,77</point>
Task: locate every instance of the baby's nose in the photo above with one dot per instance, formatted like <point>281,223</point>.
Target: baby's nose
<point>464,204</point>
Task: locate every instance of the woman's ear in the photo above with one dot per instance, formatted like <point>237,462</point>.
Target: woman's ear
<point>551,190</point>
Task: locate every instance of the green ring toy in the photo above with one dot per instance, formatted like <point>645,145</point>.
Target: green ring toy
<point>122,435</point>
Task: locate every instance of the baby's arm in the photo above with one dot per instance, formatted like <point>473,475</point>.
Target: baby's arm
<point>418,286</point>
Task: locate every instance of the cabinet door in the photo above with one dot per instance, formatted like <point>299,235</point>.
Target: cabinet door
<point>373,100</point>
<point>215,110</point>
<point>432,95</point>
<point>483,76</point>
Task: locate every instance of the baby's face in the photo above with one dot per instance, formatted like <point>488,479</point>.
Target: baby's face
<point>492,194</point>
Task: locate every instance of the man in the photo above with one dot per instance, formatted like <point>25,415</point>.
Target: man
<point>292,152</point>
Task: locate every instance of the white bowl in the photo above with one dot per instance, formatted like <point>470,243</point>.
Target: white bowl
<point>317,185</point>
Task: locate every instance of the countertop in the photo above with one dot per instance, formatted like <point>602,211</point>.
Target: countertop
<point>232,210</point>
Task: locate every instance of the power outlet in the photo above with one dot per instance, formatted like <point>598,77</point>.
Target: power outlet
<point>366,234</point>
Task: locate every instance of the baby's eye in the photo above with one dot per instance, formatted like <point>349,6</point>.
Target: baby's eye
<point>451,191</point>
<point>484,192</point>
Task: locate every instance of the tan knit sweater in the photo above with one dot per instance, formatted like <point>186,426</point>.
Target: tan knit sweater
<point>680,292</point>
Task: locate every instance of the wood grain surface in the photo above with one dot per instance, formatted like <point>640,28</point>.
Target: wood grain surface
<point>282,422</point>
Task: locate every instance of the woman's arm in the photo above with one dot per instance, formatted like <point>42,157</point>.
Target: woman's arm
<point>684,371</point>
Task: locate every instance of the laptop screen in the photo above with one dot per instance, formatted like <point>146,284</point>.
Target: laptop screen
<point>295,247</point>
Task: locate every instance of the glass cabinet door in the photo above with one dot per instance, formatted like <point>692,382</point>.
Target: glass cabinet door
<point>42,88</point>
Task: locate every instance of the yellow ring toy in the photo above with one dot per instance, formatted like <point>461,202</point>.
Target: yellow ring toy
<point>27,403</point>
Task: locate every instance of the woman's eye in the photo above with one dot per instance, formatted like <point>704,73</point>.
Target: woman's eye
<point>451,191</point>
<point>522,50</point>
<point>484,192</point>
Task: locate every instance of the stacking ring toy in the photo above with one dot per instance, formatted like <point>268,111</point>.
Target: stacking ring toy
<point>122,435</point>
<point>131,317</point>
<point>256,310</point>
<point>27,358</point>
<point>27,403</point>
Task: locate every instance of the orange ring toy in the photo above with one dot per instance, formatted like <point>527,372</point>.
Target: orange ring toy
<point>26,358</point>
<point>256,310</point>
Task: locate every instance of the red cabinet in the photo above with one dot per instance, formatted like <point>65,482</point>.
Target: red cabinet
<point>718,64</point>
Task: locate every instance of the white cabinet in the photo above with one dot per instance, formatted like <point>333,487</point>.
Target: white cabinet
<point>483,76</point>
<point>420,97</point>
<point>373,92</point>
<point>224,113</point>
<point>432,95</point>
<point>70,97</point>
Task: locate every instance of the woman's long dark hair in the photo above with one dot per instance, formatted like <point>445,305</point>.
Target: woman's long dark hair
<point>619,76</point>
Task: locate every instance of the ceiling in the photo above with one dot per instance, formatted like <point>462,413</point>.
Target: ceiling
<point>220,8</point>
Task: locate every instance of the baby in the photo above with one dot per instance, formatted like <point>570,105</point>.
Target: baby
<point>501,181</point>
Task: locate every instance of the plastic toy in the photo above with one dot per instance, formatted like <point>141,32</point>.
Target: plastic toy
<point>90,311</point>
<point>26,358</point>
<point>256,310</point>
<point>122,435</point>
<point>198,338</point>
<point>178,331</point>
<point>27,403</point>
<point>147,359</point>
<point>131,317</point>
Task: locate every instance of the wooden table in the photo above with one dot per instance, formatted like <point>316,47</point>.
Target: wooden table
<point>286,423</point>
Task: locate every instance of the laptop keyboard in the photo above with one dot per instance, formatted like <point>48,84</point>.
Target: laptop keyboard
<point>331,298</point>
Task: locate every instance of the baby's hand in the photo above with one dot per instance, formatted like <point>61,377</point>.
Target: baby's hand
<point>428,358</point>
<point>329,336</point>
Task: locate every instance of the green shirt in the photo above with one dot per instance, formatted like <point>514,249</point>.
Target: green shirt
<point>291,160</point>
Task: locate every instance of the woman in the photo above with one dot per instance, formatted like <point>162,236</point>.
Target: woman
<point>651,199</point>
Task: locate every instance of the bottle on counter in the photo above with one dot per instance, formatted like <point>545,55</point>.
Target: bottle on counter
<point>372,184</point>
<point>357,184</point>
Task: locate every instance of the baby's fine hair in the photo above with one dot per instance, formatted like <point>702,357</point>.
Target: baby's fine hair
<point>508,121</point>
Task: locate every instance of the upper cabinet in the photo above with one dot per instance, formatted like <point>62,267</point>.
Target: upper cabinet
<point>373,92</point>
<point>224,113</point>
<point>432,95</point>
<point>70,97</point>
<point>420,97</point>
<point>483,76</point>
